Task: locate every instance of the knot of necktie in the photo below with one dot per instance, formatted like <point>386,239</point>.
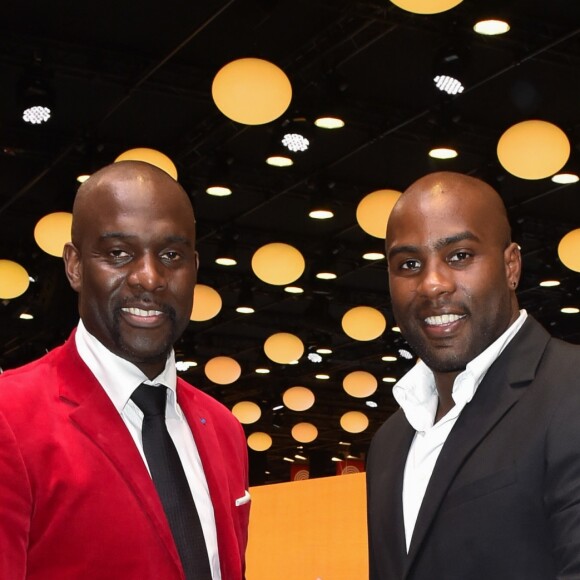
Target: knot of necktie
<point>151,400</point>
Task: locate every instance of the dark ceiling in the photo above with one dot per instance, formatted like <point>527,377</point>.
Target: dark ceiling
<point>139,75</point>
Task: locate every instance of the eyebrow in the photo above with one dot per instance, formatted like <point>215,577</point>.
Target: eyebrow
<point>173,239</point>
<point>439,244</point>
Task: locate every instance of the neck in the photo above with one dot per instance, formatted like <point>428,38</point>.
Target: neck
<point>444,383</point>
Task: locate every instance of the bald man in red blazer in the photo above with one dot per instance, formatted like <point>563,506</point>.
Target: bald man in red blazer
<point>76,497</point>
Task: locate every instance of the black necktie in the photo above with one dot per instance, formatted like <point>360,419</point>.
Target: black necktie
<point>171,483</point>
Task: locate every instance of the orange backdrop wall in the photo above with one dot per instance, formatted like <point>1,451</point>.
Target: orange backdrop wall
<point>309,530</point>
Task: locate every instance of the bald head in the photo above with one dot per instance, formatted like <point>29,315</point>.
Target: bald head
<point>435,188</point>
<point>118,180</point>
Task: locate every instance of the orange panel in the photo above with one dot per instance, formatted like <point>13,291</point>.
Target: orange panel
<point>309,530</point>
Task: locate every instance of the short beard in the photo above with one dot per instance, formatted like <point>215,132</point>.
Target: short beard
<point>138,358</point>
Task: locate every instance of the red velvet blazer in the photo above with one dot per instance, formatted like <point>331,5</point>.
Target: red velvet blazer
<point>76,500</point>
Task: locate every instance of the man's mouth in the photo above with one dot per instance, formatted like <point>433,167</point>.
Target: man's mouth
<point>443,319</point>
<point>142,313</point>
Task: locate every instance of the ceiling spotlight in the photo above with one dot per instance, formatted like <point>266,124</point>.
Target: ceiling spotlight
<point>570,310</point>
<point>443,152</point>
<point>184,365</point>
<point>218,190</point>
<point>491,18</point>
<point>295,135</point>
<point>329,122</point>
<point>320,209</point>
<point>294,290</point>
<point>570,173</point>
<point>549,283</point>
<point>245,301</point>
<point>371,404</point>
<point>314,357</point>
<point>373,256</point>
<point>219,184</point>
<point>37,102</point>
<point>295,142</point>
<point>225,255</point>
<point>491,26</point>
<point>324,350</point>
<point>564,178</point>
<point>448,72</point>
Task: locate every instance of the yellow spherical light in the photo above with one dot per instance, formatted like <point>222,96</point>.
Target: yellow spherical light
<point>278,264</point>
<point>426,6</point>
<point>14,280</point>
<point>259,441</point>
<point>298,398</point>
<point>207,303</point>
<point>373,211</point>
<point>360,384</point>
<point>223,370</point>
<point>354,422</point>
<point>283,347</point>
<point>569,250</point>
<point>251,91</point>
<point>151,156</point>
<point>364,323</point>
<point>53,231</point>
<point>247,412</point>
<point>304,432</point>
<point>533,149</point>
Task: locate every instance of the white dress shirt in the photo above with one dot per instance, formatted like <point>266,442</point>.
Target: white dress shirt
<point>119,378</point>
<point>416,393</point>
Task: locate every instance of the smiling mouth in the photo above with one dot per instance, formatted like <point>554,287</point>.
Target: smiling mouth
<point>443,319</point>
<point>142,313</point>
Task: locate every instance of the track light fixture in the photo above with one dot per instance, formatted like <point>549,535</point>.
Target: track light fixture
<point>448,74</point>
<point>219,182</point>
<point>37,102</point>
<point>295,135</point>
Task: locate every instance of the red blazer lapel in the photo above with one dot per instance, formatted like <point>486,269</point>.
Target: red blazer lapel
<point>93,413</point>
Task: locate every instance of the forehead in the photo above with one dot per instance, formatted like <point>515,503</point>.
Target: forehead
<point>139,205</point>
<point>425,219</point>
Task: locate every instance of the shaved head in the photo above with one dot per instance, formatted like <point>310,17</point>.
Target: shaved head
<point>92,193</point>
<point>444,184</point>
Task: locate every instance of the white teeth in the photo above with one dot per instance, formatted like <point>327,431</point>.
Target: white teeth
<point>139,312</point>
<point>443,319</point>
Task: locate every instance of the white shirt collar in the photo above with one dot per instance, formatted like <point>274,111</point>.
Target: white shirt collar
<point>119,377</point>
<point>416,392</point>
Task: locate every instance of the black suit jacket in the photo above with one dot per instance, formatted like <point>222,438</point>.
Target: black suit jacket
<point>503,502</point>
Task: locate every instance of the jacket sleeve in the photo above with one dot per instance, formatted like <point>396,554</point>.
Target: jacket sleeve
<point>15,506</point>
<point>562,483</point>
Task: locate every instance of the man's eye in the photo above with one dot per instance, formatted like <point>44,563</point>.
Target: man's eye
<point>171,256</point>
<point>459,256</point>
<point>410,265</point>
<point>118,254</point>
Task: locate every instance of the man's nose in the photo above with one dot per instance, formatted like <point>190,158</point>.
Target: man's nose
<point>147,272</point>
<point>436,279</point>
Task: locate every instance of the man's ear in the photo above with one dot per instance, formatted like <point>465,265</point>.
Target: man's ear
<point>72,266</point>
<point>513,264</point>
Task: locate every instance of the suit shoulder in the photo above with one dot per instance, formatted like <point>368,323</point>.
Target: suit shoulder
<point>28,375</point>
